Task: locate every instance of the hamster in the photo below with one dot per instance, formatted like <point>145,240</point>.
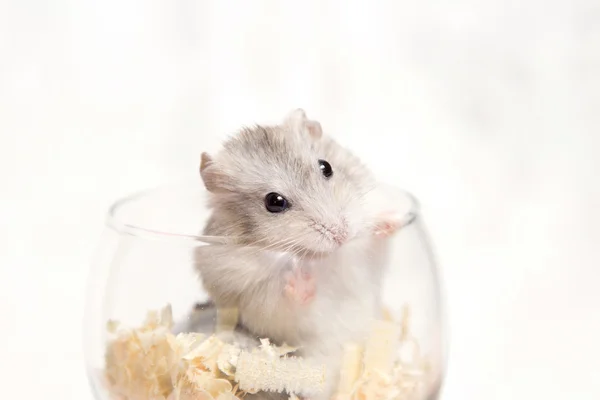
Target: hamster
<point>310,242</point>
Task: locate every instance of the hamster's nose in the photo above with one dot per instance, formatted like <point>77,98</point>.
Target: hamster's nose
<point>337,233</point>
<point>340,236</point>
<point>340,232</point>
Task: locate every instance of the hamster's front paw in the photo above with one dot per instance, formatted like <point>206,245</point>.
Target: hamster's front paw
<point>386,227</point>
<point>300,287</point>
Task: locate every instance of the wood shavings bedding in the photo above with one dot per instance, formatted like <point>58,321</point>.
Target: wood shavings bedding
<point>151,363</point>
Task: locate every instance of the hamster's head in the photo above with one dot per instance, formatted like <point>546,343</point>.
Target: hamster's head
<point>287,187</point>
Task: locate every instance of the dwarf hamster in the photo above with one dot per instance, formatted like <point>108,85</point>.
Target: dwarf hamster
<point>309,251</point>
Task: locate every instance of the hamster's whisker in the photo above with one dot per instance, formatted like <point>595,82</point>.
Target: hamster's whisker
<point>283,243</point>
<point>287,244</point>
<point>299,251</point>
<point>293,244</point>
<point>253,244</point>
<point>265,240</point>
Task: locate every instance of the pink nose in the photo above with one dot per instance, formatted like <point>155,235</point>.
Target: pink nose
<point>340,236</point>
<point>337,233</point>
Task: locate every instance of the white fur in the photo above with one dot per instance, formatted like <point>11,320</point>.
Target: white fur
<point>325,212</point>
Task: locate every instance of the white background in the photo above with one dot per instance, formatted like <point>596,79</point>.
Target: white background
<point>489,111</point>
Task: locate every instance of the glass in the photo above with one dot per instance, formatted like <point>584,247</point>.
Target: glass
<point>144,273</point>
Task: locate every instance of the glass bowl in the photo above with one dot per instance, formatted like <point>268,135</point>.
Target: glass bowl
<point>152,332</point>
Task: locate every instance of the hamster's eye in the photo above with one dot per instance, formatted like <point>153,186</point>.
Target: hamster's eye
<point>276,203</point>
<point>325,168</point>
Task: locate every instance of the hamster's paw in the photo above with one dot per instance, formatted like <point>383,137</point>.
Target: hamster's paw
<point>300,287</point>
<point>386,227</point>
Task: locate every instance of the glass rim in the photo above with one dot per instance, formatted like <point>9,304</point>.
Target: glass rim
<point>122,227</point>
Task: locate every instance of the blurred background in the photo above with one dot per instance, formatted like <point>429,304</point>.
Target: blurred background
<point>488,111</point>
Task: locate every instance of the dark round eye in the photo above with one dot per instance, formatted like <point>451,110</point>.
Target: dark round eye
<point>276,203</point>
<point>325,168</point>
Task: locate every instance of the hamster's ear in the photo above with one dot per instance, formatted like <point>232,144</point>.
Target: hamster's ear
<point>295,117</point>
<point>205,162</point>
<point>314,129</point>
<point>215,180</point>
<point>297,121</point>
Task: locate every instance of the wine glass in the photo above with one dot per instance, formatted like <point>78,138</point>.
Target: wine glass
<point>150,328</point>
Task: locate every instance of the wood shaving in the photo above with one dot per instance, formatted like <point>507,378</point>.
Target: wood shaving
<point>264,370</point>
<point>283,350</point>
<point>150,363</point>
<point>403,377</point>
<point>228,359</point>
<point>206,355</point>
<point>380,351</point>
<point>351,369</point>
<point>140,362</point>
